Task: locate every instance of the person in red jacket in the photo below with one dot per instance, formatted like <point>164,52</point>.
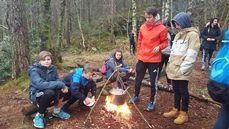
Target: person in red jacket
<point>152,39</point>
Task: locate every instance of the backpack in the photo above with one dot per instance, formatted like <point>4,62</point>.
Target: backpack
<point>103,69</point>
<point>218,85</point>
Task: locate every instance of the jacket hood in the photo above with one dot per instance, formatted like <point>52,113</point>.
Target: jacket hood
<point>183,19</point>
<point>193,29</point>
<point>79,78</point>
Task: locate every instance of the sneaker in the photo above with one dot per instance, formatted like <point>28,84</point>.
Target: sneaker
<point>62,115</point>
<point>209,67</point>
<point>150,106</point>
<point>203,67</point>
<point>38,121</point>
<point>133,99</point>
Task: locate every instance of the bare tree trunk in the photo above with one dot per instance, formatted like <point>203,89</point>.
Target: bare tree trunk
<point>166,7</point>
<point>68,25</point>
<point>61,25</point>
<point>134,19</point>
<point>1,30</point>
<point>171,9</point>
<point>45,32</point>
<point>112,21</point>
<point>89,11</point>
<point>54,24</point>
<point>18,28</point>
<point>127,23</point>
<point>205,11</point>
<point>45,26</point>
<point>79,24</point>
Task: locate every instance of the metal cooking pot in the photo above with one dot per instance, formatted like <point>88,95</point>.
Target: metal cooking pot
<point>118,96</point>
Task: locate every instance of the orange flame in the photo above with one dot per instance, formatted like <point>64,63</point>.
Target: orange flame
<point>119,110</point>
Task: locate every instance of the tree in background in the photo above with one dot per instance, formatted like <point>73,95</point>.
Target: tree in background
<point>17,25</point>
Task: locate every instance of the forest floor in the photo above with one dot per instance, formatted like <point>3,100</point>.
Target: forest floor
<point>201,114</point>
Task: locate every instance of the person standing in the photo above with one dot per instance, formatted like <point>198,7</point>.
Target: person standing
<point>152,39</point>
<point>218,84</point>
<point>184,51</point>
<point>132,43</point>
<point>210,35</point>
<point>166,53</point>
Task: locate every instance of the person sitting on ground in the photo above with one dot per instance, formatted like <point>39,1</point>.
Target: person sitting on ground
<point>116,62</point>
<point>82,86</point>
<point>44,87</point>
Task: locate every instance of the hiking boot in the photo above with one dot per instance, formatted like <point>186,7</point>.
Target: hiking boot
<point>62,115</point>
<point>182,118</point>
<point>150,106</point>
<point>38,121</point>
<point>171,113</point>
<point>134,99</point>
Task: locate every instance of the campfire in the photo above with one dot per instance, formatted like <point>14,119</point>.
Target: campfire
<point>122,111</point>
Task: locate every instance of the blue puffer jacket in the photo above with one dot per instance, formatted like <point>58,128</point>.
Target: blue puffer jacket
<point>43,78</point>
<point>80,84</point>
<point>111,64</point>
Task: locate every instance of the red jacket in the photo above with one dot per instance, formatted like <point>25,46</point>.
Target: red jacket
<point>151,36</point>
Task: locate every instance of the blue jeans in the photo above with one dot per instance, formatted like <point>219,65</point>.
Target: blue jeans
<point>222,121</point>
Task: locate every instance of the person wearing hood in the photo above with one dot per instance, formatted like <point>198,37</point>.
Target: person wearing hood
<point>116,62</point>
<point>44,87</point>
<point>184,52</point>
<point>151,41</point>
<point>210,35</point>
<point>82,86</point>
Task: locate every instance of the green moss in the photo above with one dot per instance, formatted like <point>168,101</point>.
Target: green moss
<point>20,84</point>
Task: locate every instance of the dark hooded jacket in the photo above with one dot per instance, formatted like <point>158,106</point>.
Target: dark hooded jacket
<point>210,32</point>
<point>43,78</point>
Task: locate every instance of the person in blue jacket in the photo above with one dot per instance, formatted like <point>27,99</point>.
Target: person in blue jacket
<point>82,86</point>
<point>116,62</point>
<point>44,88</point>
<point>219,78</point>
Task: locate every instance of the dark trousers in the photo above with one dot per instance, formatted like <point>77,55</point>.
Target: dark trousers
<point>141,68</point>
<point>181,94</point>
<point>207,55</point>
<point>222,121</point>
<point>45,100</point>
<point>164,61</point>
<point>73,99</point>
<point>132,49</point>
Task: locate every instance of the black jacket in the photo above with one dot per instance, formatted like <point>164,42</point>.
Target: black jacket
<point>210,32</point>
